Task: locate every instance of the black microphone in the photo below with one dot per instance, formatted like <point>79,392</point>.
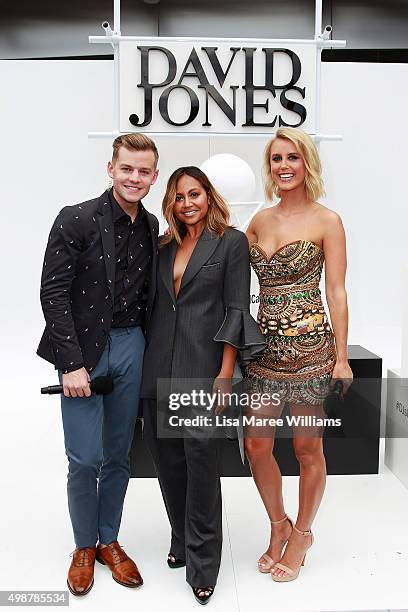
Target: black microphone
<point>101,385</point>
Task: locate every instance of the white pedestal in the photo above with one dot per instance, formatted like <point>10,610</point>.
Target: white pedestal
<point>396,428</point>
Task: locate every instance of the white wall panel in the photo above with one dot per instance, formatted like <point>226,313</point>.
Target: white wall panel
<point>47,161</point>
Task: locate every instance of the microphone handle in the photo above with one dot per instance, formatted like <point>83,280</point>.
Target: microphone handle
<point>338,388</point>
<point>52,390</point>
<point>101,385</point>
<point>56,389</point>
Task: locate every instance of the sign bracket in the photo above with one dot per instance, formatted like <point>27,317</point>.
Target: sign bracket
<point>114,37</point>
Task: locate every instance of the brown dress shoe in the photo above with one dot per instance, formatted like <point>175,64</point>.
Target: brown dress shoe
<point>81,572</point>
<point>123,569</point>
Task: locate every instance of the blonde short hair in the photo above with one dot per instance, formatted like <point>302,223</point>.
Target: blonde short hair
<point>218,216</point>
<point>135,141</point>
<point>306,148</point>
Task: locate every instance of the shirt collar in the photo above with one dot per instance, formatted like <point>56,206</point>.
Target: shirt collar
<point>119,214</point>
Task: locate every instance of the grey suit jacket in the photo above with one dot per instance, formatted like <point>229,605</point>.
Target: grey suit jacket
<point>186,335</point>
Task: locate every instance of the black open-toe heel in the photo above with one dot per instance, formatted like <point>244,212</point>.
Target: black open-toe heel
<point>173,562</point>
<point>201,597</point>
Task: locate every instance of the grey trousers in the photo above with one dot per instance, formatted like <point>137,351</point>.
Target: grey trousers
<point>188,474</point>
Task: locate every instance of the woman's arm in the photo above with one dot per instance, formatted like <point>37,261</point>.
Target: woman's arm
<point>251,233</point>
<point>238,330</point>
<point>229,357</point>
<point>223,383</point>
<point>235,294</point>
<point>334,245</point>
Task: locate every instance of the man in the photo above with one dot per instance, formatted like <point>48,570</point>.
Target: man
<point>97,291</point>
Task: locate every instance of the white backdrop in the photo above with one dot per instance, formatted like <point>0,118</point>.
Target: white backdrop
<point>47,161</point>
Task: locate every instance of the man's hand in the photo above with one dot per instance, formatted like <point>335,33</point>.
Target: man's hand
<point>76,383</point>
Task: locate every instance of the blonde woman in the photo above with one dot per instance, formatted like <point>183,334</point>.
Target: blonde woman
<point>289,243</point>
<point>200,319</point>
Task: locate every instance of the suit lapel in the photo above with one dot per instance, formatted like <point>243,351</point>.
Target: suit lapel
<point>166,265</point>
<point>108,240</point>
<point>206,245</point>
<point>203,250</point>
<point>153,233</point>
<point>153,228</point>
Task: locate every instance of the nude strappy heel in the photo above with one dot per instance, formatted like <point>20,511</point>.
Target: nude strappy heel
<point>292,574</point>
<point>265,568</point>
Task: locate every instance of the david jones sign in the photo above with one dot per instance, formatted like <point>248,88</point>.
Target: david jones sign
<point>229,88</point>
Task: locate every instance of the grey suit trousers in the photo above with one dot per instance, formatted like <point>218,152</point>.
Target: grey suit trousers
<point>188,474</point>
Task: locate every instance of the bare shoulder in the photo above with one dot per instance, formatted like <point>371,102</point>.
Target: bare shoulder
<point>263,214</point>
<point>261,217</point>
<point>329,219</point>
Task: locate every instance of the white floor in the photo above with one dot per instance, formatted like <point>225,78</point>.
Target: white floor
<point>359,560</point>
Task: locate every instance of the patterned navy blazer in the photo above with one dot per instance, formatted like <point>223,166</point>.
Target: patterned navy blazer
<point>77,284</point>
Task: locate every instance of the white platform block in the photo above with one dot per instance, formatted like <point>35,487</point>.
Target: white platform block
<point>396,432</point>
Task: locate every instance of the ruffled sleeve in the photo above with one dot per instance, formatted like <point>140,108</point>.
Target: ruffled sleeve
<point>241,331</point>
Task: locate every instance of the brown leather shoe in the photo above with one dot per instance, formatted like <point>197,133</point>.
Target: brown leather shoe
<point>81,572</point>
<point>124,570</point>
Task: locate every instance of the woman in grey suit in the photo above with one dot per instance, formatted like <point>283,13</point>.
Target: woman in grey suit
<point>200,320</point>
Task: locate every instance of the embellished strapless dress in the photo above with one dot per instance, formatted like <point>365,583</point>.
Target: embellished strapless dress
<point>300,354</point>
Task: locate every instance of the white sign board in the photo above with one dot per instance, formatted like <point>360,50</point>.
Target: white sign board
<point>244,86</point>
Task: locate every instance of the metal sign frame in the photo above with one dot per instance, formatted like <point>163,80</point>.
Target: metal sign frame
<point>114,37</point>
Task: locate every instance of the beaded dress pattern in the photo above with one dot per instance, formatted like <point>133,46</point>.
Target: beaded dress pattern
<point>300,354</point>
